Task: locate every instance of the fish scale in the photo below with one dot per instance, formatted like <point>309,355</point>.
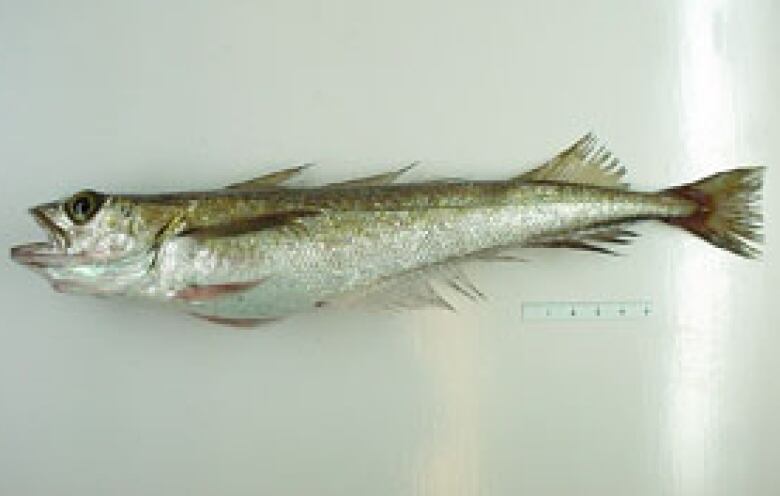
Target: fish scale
<point>348,247</point>
<point>256,251</point>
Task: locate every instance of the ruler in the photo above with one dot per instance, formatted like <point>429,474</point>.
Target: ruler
<point>587,310</point>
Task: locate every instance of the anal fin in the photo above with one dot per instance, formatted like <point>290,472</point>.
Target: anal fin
<point>573,245</point>
<point>415,289</point>
<point>587,239</point>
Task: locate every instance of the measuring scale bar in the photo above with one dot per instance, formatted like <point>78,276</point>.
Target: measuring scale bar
<point>592,310</point>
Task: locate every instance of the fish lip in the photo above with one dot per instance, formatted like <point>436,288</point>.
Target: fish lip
<point>57,236</point>
<point>43,254</point>
<point>40,254</point>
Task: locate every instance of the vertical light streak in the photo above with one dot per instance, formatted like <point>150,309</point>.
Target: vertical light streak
<point>700,277</point>
<point>448,460</point>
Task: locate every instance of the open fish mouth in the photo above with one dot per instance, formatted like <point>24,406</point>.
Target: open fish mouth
<point>43,254</point>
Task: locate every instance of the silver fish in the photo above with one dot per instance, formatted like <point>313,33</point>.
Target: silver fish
<point>257,251</point>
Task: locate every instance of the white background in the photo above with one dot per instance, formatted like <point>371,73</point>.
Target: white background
<point>101,397</point>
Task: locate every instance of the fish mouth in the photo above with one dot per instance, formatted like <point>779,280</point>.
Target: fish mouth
<point>44,254</point>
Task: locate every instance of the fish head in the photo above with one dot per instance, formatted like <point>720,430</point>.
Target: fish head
<point>94,246</point>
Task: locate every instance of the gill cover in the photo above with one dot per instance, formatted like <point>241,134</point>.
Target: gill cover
<point>92,246</point>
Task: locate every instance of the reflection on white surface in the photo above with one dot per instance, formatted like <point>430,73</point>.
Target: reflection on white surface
<point>700,278</point>
<point>102,398</point>
<point>448,463</point>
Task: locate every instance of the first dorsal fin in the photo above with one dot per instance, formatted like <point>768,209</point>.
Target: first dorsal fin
<point>269,180</point>
<point>376,179</point>
<point>584,162</point>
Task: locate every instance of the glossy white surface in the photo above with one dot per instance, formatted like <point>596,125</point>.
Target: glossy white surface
<point>99,397</point>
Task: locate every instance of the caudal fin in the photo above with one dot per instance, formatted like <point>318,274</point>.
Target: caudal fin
<point>728,215</point>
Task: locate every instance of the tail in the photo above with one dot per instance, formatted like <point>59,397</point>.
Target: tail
<point>728,214</point>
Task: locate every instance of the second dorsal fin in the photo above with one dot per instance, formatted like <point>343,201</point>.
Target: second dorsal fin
<point>375,180</point>
<point>584,162</point>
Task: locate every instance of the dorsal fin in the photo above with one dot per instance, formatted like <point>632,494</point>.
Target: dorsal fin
<point>584,162</point>
<point>269,180</point>
<point>374,180</point>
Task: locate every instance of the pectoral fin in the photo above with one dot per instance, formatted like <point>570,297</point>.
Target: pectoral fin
<point>248,225</point>
<point>212,291</point>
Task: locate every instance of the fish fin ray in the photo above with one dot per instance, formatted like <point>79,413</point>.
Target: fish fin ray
<point>453,276</point>
<point>196,293</point>
<point>584,162</point>
<point>572,244</point>
<point>407,291</point>
<point>291,218</point>
<point>728,213</point>
<point>374,180</point>
<point>504,253</point>
<point>415,289</point>
<point>238,323</point>
<point>498,257</point>
<point>586,239</point>
<point>269,180</point>
<point>411,292</point>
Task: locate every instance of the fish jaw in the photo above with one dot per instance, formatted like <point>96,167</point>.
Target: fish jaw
<point>40,255</point>
<point>44,254</point>
<point>75,269</point>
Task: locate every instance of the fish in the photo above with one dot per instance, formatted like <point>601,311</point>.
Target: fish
<point>257,251</point>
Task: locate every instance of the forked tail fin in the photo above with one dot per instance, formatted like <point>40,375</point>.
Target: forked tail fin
<point>728,215</point>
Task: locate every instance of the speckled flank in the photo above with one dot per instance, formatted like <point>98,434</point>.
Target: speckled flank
<point>259,250</point>
<point>349,247</point>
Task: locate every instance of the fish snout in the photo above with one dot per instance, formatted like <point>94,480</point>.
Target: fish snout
<point>43,254</point>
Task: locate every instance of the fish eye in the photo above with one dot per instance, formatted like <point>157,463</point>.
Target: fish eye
<point>83,206</point>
